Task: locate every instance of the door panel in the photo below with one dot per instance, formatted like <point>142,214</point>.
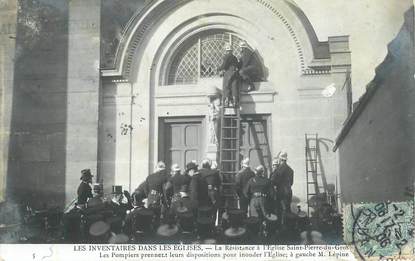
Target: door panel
<point>255,141</point>
<point>182,142</point>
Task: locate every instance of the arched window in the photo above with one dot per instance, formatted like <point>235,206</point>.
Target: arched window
<point>201,57</point>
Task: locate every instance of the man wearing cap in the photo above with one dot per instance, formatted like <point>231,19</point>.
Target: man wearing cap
<point>177,182</point>
<point>258,189</point>
<point>156,187</point>
<point>229,70</point>
<point>84,189</point>
<point>241,181</point>
<point>247,66</point>
<point>283,180</point>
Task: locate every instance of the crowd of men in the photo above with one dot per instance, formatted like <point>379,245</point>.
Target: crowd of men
<point>190,202</point>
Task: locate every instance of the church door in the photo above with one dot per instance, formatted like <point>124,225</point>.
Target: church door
<point>181,141</point>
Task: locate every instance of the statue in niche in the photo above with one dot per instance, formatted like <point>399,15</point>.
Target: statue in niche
<point>214,108</point>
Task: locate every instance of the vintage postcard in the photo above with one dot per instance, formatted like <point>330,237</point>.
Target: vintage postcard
<point>207,130</point>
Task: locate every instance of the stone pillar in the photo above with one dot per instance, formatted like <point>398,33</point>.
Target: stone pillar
<point>8,12</point>
<point>83,91</point>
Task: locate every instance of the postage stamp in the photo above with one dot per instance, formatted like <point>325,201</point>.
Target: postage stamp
<point>379,230</point>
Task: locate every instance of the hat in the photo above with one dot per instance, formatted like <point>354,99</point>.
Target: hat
<point>119,239</point>
<point>227,47</point>
<point>191,165</point>
<point>271,217</point>
<point>283,155</point>
<point>175,167</point>
<point>160,166</point>
<point>260,169</point>
<point>167,230</point>
<point>99,228</point>
<point>116,189</point>
<point>243,44</point>
<point>86,173</point>
<point>233,232</point>
<point>245,162</point>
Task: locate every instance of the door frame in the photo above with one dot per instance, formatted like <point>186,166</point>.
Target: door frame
<point>164,121</point>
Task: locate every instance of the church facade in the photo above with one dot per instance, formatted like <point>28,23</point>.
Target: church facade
<point>146,92</point>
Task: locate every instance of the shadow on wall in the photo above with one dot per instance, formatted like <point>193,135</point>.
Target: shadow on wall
<point>36,174</point>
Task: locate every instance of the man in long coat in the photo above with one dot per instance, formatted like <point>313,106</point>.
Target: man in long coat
<point>283,179</point>
<point>248,68</point>
<point>231,79</point>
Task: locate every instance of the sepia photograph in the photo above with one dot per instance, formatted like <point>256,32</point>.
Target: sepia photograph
<point>196,129</point>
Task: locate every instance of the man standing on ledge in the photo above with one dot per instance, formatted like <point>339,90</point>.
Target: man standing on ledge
<point>231,79</point>
<point>247,67</point>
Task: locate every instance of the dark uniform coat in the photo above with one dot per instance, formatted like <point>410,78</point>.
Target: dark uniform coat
<point>283,178</point>
<point>248,69</point>
<point>242,178</point>
<point>178,181</point>
<point>263,187</point>
<point>230,77</point>
<point>84,193</point>
<point>210,185</point>
<point>155,185</point>
<point>241,181</point>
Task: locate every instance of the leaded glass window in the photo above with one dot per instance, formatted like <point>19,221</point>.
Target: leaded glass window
<point>201,57</point>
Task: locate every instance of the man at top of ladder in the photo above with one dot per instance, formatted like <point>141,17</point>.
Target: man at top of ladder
<point>231,79</point>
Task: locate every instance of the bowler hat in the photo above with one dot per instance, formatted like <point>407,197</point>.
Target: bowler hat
<point>191,165</point>
<point>86,173</point>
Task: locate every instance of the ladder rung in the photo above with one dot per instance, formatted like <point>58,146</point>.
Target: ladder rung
<point>229,138</point>
<point>311,194</point>
<point>229,149</point>
<point>230,127</point>
<point>228,160</point>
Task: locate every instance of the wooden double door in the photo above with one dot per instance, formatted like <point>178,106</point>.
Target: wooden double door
<point>182,140</point>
